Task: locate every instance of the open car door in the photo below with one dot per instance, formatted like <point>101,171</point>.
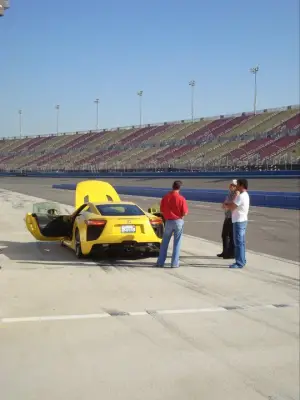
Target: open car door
<point>46,223</point>
<point>93,191</point>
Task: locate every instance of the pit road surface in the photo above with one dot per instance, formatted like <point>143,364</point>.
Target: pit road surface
<point>119,329</point>
<point>270,231</point>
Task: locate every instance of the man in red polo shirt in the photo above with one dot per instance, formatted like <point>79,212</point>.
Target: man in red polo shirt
<point>173,206</point>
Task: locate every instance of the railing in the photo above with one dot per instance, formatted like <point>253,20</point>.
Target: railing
<point>286,164</point>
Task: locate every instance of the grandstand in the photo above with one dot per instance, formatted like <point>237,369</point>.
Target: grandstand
<point>270,136</point>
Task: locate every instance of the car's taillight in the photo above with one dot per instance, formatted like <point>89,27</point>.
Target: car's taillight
<point>157,226</point>
<point>156,221</point>
<point>95,222</point>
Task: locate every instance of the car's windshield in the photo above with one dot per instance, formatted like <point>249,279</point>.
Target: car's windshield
<point>119,210</point>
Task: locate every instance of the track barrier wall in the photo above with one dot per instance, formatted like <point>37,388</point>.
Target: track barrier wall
<point>285,200</point>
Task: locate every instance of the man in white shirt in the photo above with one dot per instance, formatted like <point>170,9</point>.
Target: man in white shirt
<point>239,209</point>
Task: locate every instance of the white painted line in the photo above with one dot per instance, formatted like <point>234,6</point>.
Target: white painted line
<point>258,307</point>
<point>54,318</point>
<point>137,313</point>
<point>191,311</point>
<point>294,305</point>
<point>269,306</point>
<point>143,313</point>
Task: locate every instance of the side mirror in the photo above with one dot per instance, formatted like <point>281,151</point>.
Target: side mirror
<point>153,210</point>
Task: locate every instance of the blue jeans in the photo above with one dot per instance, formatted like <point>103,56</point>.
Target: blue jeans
<point>171,227</point>
<point>239,233</point>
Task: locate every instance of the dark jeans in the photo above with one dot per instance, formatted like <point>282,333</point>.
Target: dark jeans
<point>227,237</point>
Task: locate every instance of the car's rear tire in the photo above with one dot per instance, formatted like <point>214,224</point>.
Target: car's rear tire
<point>155,254</point>
<point>151,254</point>
<point>78,251</point>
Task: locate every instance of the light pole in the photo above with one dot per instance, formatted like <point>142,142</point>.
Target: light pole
<point>20,122</point>
<point>97,113</point>
<point>254,71</point>
<point>140,94</point>
<point>57,107</point>
<point>192,85</point>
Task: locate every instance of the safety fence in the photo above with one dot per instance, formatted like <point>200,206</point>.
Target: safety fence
<point>294,174</point>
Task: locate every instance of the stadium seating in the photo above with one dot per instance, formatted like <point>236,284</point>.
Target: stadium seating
<point>277,146</point>
<point>24,148</point>
<point>237,137</point>
<point>243,138</point>
<point>273,125</point>
<point>215,149</point>
<point>292,153</point>
<point>176,133</point>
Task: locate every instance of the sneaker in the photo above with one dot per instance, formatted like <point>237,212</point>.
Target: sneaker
<point>220,255</point>
<point>175,266</point>
<point>235,266</point>
<point>159,266</point>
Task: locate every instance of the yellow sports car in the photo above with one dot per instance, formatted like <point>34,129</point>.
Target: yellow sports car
<point>101,222</point>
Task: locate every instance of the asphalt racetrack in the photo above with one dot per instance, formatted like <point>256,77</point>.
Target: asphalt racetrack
<point>121,329</point>
<point>271,231</point>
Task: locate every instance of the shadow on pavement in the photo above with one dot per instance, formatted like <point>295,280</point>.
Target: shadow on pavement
<point>116,264</point>
<point>38,251</point>
<point>53,251</point>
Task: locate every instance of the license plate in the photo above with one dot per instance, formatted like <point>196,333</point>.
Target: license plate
<point>128,229</point>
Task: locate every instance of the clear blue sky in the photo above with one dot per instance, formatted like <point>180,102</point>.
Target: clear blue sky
<point>70,52</point>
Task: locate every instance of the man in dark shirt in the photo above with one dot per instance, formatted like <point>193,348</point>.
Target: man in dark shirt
<point>227,230</point>
<point>173,206</point>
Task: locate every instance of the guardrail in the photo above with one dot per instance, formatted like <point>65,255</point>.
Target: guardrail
<point>162,175</point>
<point>285,200</point>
